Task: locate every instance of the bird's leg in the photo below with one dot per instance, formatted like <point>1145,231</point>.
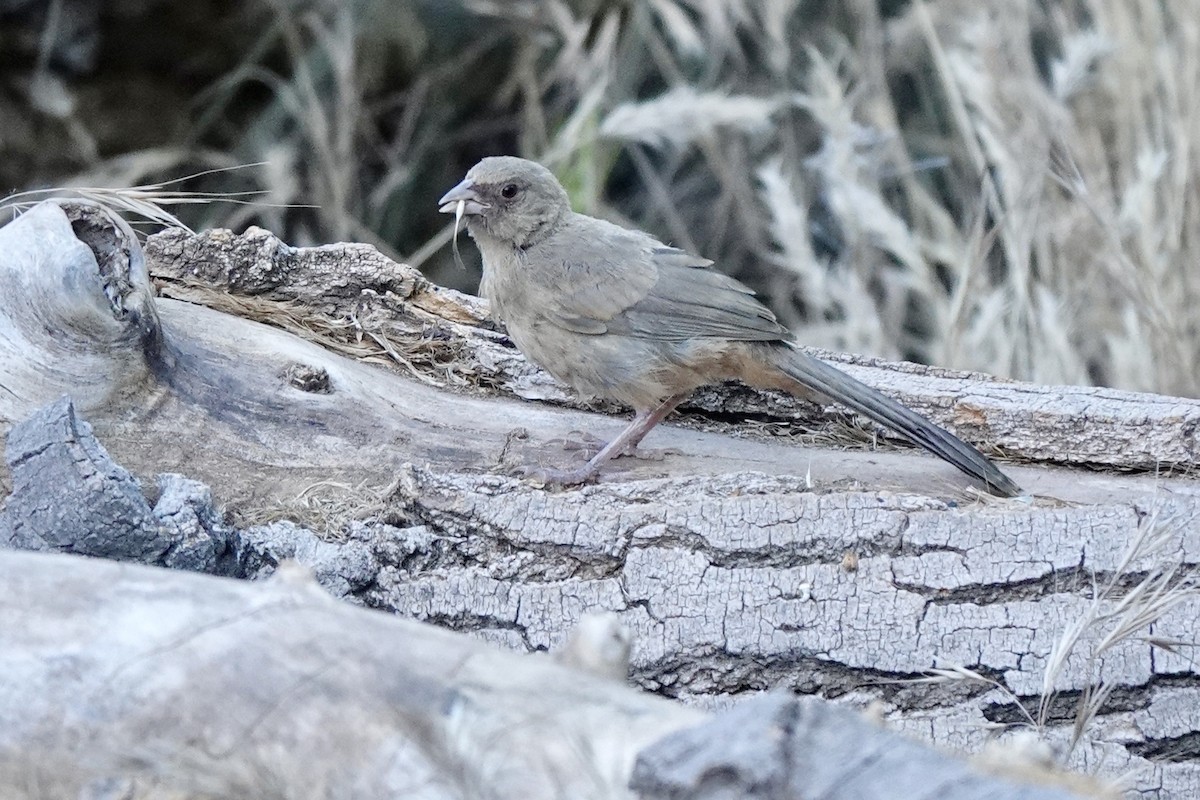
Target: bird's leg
<point>586,445</point>
<point>628,440</point>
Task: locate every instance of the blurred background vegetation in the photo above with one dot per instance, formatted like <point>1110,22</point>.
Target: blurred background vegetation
<point>1002,185</point>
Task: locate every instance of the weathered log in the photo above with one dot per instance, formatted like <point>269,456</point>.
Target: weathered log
<point>165,684</point>
<point>732,574</point>
<point>1055,424</point>
<point>69,496</point>
<point>260,415</point>
<point>778,747</point>
<point>132,682</point>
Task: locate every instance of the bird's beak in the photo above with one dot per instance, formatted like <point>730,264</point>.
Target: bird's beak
<point>464,193</point>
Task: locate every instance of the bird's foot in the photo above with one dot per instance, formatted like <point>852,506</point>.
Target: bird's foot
<point>588,445</point>
<point>549,476</point>
<point>582,443</point>
<point>646,454</point>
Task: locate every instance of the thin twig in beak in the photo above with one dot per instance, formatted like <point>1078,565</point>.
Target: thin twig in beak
<point>458,215</point>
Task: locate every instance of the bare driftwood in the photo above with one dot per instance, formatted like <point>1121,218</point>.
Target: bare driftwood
<point>142,683</point>
<point>745,561</point>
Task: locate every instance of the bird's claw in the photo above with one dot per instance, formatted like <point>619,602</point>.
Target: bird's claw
<point>549,476</point>
<point>588,445</point>
<point>581,442</point>
<point>658,454</point>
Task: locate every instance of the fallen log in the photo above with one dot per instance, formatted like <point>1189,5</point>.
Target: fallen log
<point>744,561</point>
<point>134,682</point>
<point>441,331</point>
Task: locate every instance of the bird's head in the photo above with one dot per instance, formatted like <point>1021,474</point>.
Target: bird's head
<point>510,199</point>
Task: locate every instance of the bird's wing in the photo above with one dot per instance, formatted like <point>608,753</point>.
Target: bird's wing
<point>628,283</point>
<point>689,300</point>
<point>587,273</point>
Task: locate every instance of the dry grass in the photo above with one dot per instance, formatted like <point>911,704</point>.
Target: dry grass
<point>146,202</point>
<point>1147,584</point>
<point>1008,186</point>
<point>326,507</point>
<point>1116,616</point>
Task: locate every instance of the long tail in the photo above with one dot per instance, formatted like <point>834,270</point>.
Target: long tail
<point>839,386</point>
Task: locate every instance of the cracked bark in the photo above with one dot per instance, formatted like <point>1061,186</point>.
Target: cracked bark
<point>732,574</point>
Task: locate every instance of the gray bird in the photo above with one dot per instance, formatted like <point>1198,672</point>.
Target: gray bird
<point>615,313</point>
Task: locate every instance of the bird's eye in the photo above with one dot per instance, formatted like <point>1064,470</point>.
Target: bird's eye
<point>509,191</point>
